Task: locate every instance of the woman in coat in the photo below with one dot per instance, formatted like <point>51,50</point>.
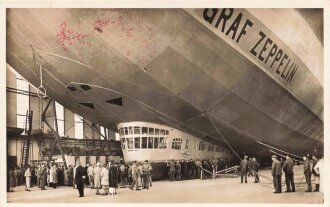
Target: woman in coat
<point>53,175</point>
<point>97,178</point>
<point>105,179</point>
<point>43,177</point>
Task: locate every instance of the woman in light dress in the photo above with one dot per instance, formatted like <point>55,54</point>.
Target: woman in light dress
<point>105,179</point>
<point>97,178</point>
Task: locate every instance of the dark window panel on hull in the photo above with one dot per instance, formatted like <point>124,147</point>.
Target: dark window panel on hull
<point>85,87</point>
<point>126,130</point>
<point>157,131</point>
<point>151,131</point>
<point>116,101</point>
<point>71,88</point>
<point>88,104</point>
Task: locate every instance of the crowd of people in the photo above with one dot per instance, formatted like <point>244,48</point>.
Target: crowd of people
<point>249,167</point>
<point>195,168</point>
<point>312,166</point>
<point>42,175</point>
<point>105,178</point>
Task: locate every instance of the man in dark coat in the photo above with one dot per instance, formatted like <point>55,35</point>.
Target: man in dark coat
<point>308,173</point>
<point>70,175</point>
<point>43,177</point>
<point>184,169</point>
<point>79,178</point>
<point>277,174</point>
<point>288,172</point>
<point>244,168</point>
<point>113,175</point>
<point>255,169</point>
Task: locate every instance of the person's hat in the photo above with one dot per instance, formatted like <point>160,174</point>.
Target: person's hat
<point>146,160</point>
<point>98,163</point>
<point>245,156</point>
<point>274,156</point>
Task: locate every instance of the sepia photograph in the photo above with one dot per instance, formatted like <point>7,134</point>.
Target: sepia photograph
<point>164,105</point>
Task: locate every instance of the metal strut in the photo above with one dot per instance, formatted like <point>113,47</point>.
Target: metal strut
<point>98,132</point>
<point>57,136</point>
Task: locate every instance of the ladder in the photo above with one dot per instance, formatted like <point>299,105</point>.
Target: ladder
<point>27,140</point>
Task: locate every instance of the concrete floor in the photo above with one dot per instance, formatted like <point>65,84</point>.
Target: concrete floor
<point>220,190</point>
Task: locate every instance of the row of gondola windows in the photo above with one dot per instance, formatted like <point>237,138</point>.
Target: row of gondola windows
<point>144,143</point>
<point>161,143</point>
<point>211,148</point>
<point>142,130</point>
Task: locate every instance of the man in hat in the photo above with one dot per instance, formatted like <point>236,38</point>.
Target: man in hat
<point>277,174</point>
<point>135,177</point>
<point>244,168</point>
<point>113,176</point>
<point>146,174</point>
<point>171,166</point>
<point>79,178</point>
<point>288,172</point>
<point>255,169</point>
<point>307,173</point>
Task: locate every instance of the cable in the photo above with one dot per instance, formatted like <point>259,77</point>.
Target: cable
<point>284,155</point>
<point>222,136</point>
<point>277,149</point>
